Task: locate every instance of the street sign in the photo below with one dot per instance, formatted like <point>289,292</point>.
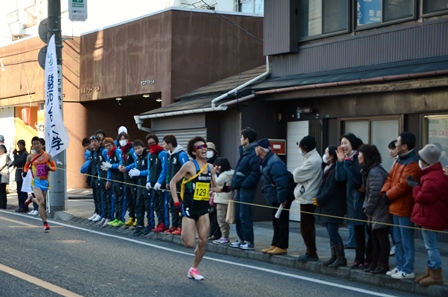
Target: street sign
<point>41,57</point>
<point>77,10</point>
<point>43,30</point>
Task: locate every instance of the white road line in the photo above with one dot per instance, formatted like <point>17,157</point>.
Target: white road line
<point>371,293</point>
<point>41,283</point>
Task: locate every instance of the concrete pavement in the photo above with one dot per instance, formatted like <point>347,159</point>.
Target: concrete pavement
<point>80,207</point>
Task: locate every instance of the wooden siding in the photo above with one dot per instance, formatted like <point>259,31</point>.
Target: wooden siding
<point>384,45</point>
<point>280,26</point>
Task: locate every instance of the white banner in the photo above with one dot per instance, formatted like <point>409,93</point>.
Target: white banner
<point>56,136</point>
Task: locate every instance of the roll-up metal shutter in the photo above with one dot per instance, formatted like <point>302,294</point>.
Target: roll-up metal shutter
<point>182,136</point>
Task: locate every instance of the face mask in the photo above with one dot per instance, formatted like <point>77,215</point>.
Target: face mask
<point>302,153</point>
<point>210,154</point>
<point>324,159</point>
<point>33,151</point>
<point>123,142</point>
<point>420,164</point>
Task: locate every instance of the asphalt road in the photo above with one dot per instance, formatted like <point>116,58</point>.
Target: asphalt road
<point>73,261</point>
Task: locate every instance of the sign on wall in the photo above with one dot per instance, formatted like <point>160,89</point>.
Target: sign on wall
<point>77,10</point>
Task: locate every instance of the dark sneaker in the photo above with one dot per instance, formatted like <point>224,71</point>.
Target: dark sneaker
<point>46,227</point>
<point>137,231</point>
<point>147,230</point>
<point>306,258</point>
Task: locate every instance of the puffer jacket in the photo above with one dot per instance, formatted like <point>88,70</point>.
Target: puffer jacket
<point>275,177</point>
<point>247,170</point>
<point>397,189</point>
<point>331,198</point>
<point>376,206</point>
<point>350,172</point>
<point>431,199</point>
<point>224,178</point>
<point>308,177</point>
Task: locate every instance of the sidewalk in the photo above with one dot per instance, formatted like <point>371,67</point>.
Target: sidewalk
<point>80,206</point>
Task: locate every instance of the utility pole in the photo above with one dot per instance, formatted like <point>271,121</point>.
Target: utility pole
<point>58,185</point>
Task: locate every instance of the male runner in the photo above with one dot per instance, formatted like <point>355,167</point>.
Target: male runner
<point>40,164</point>
<point>198,181</point>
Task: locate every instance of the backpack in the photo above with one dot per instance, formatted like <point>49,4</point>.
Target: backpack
<point>292,185</point>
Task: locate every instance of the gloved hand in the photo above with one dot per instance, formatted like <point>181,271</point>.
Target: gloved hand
<point>105,166</point>
<point>157,186</point>
<point>134,172</point>
<point>148,186</point>
<point>315,203</point>
<point>412,181</point>
<point>24,174</point>
<point>177,207</point>
<point>226,188</point>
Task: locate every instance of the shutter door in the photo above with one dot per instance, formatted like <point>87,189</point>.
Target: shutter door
<point>183,136</point>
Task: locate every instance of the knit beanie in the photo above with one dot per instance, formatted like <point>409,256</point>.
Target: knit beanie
<point>430,154</point>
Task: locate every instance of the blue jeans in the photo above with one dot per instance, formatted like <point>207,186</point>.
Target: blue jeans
<point>430,239</point>
<point>351,236</point>
<point>333,232</point>
<point>243,216</point>
<point>404,244</point>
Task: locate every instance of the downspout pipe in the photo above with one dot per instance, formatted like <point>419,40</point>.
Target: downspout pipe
<point>263,75</point>
<point>139,119</point>
<point>139,123</point>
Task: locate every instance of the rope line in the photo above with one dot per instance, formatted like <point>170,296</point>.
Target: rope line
<point>291,211</point>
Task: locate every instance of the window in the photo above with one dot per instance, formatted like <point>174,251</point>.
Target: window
<point>381,11</point>
<point>432,6</point>
<point>320,17</point>
<point>250,6</point>
<point>379,132</point>
<point>437,133</point>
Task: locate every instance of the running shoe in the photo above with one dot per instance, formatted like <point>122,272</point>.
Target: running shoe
<point>393,271</point>
<point>130,222</point>
<point>106,223</point>
<point>247,246</point>
<point>92,217</point>
<point>118,223</point>
<point>138,230</point>
<point>220,241</point>
<point>135,223</point>
<point>46,226</point>
<point>111,223</point>
<point>178,231</point>
<point>28,200</point>
<point>236,244</point>
<point>194,274</point>
<point>403,275</point>
<point>147,230</point>
<point>169,231</point>
<point>160,228</point>
<point>101,222</point>
<point>97,218</point>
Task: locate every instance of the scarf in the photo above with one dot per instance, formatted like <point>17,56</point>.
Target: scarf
<point>352,153</point>
<point>124,150</point>
<point>112,152</point>
<point>156,148</point>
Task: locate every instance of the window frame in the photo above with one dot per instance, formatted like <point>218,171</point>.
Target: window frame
<point>383,23</point>
<point>430,14</point>
<point>324,35</point>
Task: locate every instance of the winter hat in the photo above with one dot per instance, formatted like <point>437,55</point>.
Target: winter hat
<point>430,154</point>
<point>212,146</point>
<point>308,143</point>
<point>2,138</point>
<point>264,143</point>
<point>122,129</point>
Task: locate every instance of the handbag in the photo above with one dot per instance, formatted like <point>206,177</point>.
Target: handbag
<point>230,216</point>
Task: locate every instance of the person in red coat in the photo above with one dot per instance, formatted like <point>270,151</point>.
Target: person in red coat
<point>430,209</point>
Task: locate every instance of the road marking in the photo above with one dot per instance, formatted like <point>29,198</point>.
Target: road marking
<point>18,222</point>
<point>226,262</point>
<point>41,283</point>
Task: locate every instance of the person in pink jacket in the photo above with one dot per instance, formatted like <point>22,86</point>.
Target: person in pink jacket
<point>430,209</point>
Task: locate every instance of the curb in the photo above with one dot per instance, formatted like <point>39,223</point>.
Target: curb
<point>381,281</point>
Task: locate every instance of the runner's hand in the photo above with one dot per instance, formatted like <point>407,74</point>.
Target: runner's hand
<point>177,207</point>
<point>157,186</point>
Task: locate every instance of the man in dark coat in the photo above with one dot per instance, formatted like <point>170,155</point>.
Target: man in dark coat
<point>18,162</point>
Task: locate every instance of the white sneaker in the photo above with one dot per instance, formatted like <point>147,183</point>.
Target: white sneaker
<point>403,275</point>
<point>92,217</point>
<point>106,222</point>
<point>97,218</point>
<point>101,222</point>
<point>247,246</point>
<point>194,274</point>
<point>392,251</point>
<point>235,244</point>
<point>393,271</point>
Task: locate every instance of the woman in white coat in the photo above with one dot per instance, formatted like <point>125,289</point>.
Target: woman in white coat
<point>221,199</point>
